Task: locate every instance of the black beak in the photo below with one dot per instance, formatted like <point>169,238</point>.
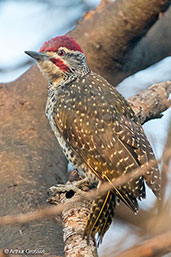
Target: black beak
<point>37,56</point>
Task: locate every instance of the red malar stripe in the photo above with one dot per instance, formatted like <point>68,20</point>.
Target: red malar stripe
<point>58,62</point>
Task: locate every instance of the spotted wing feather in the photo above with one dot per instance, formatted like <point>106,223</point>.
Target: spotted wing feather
<point>100,127</point>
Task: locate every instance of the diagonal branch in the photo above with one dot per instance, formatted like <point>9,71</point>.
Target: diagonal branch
<point>148,104</point>
<point>116,30</point>
<point>53,211</point>
<point>154,247</point>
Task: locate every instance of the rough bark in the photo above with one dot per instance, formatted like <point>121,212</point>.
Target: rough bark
<point>149,104</point>
<point>74,220</point>
<point>31,161</point>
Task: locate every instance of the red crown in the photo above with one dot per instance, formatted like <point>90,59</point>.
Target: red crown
<point>55,43</point>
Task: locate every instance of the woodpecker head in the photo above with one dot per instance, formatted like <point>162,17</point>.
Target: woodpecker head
<point>60,58</point>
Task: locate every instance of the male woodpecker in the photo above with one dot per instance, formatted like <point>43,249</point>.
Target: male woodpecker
<point>96,128</point>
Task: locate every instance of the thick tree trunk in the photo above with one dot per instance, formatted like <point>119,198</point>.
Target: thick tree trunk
<point>30,162</point>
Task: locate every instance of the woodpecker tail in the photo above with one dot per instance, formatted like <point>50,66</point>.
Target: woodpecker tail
<point>100,217</point>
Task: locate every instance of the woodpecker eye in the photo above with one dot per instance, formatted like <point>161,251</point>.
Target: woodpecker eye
<point>61,52</point>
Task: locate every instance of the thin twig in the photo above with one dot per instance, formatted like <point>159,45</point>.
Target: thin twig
<point>54,210</point>
<point>154,247</point>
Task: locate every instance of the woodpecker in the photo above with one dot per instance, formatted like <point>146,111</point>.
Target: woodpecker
<point>96,128</point>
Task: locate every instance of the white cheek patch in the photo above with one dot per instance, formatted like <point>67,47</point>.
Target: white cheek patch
<point>49,69</point>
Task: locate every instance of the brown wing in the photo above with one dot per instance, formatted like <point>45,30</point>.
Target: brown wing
<point>142,148</point>
<point>106,138</point>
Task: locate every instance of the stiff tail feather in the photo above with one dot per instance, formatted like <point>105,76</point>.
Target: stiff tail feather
<point>100,217</point>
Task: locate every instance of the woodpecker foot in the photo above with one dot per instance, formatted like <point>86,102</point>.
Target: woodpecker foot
<point>74,176</point>
<point>69,189</point>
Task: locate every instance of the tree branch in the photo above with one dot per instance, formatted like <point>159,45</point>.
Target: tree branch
<point>74,220</point>
<point>148,104</point>
<point>74,213</point>
<point>65,205</point>
<point>116,30</point>
<point>154,247</point>
<point>152,48</point>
